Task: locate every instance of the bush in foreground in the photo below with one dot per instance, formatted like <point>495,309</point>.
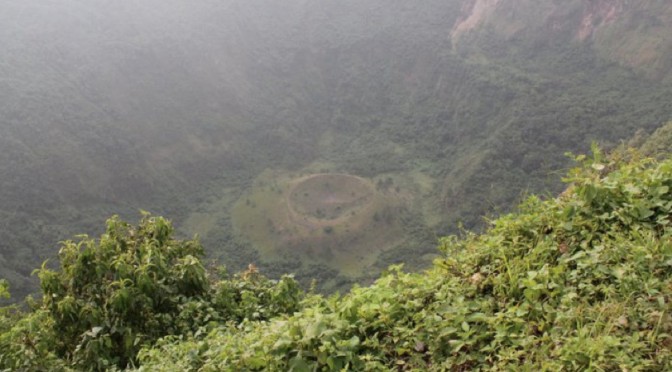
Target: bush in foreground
<point>114,295</point>
<point>581,282</point>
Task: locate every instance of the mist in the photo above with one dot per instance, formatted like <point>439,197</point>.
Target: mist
<point>213,112</point>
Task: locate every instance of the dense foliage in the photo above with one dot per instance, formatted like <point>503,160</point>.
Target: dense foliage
<point>177,106</point>
<point>116,294</point>
<point>658,144</point>
<point>579,282</point>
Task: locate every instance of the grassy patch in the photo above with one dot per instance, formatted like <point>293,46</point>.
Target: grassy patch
<point>340,220</point>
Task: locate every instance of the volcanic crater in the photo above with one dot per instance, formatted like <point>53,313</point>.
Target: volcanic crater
<point>329,198</point>
<point>339,219</point>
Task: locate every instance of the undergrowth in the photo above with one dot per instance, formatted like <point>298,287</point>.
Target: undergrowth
<point>578,282</point>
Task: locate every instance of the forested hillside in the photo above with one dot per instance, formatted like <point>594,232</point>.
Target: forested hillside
<point>578,282</point>
<point>210,112</point>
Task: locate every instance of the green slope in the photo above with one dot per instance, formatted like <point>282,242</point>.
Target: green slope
<point>578,282</point>
<point>581,282</point>
<point>110,108</point>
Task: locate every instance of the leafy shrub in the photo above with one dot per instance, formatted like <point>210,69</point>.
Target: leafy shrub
<point>581,282</point>
<point>25,339</point>
<point>114,295</point>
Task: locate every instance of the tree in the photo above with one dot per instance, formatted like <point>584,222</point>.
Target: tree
<point>115,294</point>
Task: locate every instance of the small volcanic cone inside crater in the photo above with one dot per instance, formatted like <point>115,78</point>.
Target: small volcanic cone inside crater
<point>330,197</point>
<point>329,218</point>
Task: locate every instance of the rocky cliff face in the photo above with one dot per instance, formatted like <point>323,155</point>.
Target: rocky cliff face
<point>632,33</point>
<point>596,15</point>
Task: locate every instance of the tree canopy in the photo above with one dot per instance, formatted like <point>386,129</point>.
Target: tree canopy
<point>113,295</point>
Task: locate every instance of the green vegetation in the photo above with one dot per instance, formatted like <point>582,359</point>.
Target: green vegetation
<point>658,144</point>
<point>332,140</point>
<point>574,283</point>
<point>168,108</point>
<point>114,295</point>
<point>579,282</point>
<point>337,220</point>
